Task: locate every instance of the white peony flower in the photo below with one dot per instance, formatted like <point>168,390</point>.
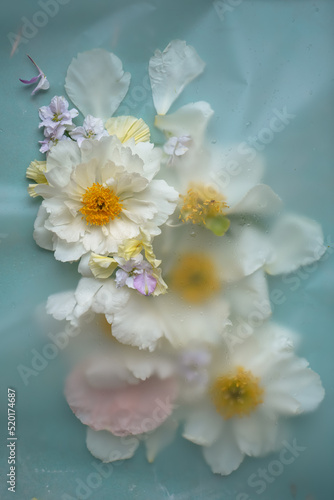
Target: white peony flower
<point>100,195</point>
<point>246,394</point>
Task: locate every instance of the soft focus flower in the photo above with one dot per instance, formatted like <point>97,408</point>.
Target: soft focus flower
<point>99,195</point>
<point>120,392</point>
<point>246,394</point>
<point>176,146</point>
<point>92,128</point>
<point>206,282</point>
<point>56,116</point>
<point>43,83</point>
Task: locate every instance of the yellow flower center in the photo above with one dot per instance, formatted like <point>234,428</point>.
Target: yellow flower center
<point>100,204</point>
<point>194,277</point>
<point>236,395</point>
<point>201,203</point>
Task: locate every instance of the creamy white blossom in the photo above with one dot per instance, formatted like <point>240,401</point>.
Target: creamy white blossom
<point>99,195</point>
<point>246,394</point>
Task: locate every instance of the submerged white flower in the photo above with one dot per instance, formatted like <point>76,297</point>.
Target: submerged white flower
<point>100,195</point>
<point>205,284</point>
<point>246,394</point>
<point>119,392</point>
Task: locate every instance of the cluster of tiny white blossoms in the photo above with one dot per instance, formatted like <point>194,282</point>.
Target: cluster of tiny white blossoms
<point>173,249</point>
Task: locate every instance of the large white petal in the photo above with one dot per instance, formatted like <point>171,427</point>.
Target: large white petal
<point>165,198</point>
<point>160,438</point>
<point>148,327</point>
<point>224,456</point>
<point>249,298</point>
<point>191,119</point>
<point>109,448</point>
<point>256,434</point>
<point>67,252</point>
<point>61,162</point>
<point>61,305</point>
<point>235,174</point>
<point>260,200</point>
<point>292,377</point>
<point>170,71</point>
<point>96,83</point>
<point>42,236</point>
<point>203,425</point>
<point>296,241</point>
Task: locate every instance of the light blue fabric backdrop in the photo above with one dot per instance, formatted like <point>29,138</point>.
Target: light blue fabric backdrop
<point>263,58</point>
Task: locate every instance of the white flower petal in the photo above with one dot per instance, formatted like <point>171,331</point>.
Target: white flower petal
<point>296,241</point>
<point>61,161</point>
<point>260,200</point>
<point>170,71</point>
<point>224,456</point>
<point>249,298</point>
<point>109,448</point>
<point>235,174</point>
<point>160,438</point>
<point>256,434</point>
<point>294,378</point>
<point>146,330</point>
<point>61,305</point>
<point>84,268</point>
<point>203,425</point>
<point>191,119</point>
<point>42,236</point>
<point>96,83</point>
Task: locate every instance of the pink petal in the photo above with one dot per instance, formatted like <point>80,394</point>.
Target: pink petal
<point>129,409</point>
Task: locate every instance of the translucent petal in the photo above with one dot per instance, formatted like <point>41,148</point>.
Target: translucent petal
<point>170,71</point>
<point>109,448</point>
<point>96,83</point>
<point>296,241</point>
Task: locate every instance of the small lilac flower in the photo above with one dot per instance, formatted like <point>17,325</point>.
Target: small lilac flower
<point>137,274</point>
<point>52,140</point>
<point>43,83</point>
<point>56,114</point>
<point>92,128</point>
<point>177,146</point>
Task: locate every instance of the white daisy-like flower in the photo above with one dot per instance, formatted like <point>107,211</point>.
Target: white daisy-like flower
<point>99,195</point>
<point>245,396</point>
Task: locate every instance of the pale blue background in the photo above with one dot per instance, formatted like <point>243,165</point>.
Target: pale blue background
<point>262,55</point>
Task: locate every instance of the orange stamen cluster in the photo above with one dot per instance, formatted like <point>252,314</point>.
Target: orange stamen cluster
<point>100,205</point>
